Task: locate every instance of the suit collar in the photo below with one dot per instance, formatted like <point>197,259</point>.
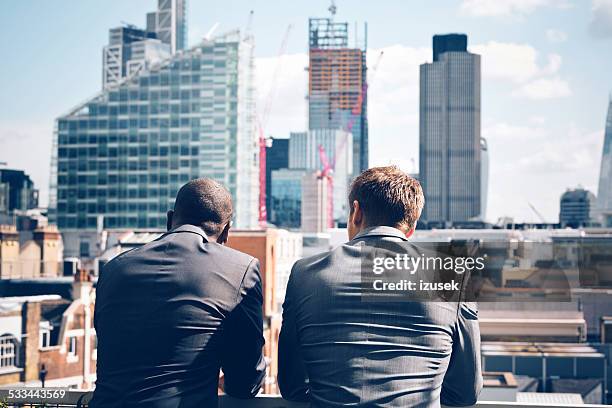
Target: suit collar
<point>189,228</point>
<point>381,231</point>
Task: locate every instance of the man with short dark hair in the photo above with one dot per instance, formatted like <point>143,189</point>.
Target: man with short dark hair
<point>338,349</point>
<point>172,313</point>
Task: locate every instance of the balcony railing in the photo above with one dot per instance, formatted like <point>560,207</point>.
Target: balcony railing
<point>80,399</point>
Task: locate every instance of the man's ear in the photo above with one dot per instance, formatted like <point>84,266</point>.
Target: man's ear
<point>169,216</point>
<point>357,213</point>
<point>409,233</point>
<point>222,239</point>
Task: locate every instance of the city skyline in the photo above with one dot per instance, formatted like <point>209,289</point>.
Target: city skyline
<point>535,84</point>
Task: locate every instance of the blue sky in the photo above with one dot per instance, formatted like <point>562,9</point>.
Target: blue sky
<point>546,77</point>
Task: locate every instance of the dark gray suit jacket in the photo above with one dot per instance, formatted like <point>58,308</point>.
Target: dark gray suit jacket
<point>337,350</point>
<point>169,315</point>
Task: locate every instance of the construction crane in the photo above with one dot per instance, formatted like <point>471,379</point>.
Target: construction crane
<point>329,166</point>
<point>537,213</point>
<point>262,122</point>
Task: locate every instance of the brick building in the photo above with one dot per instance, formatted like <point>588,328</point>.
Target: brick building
<point>52,334</point>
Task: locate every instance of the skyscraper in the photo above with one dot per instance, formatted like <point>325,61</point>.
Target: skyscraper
<point>604,192</point>
<point>277,157</point>
<point>129,50</point>
<point>169,23</point>
<point>17,192</point>
<point>449,132</point>
<point>337,90</point>
<point>123,154</point>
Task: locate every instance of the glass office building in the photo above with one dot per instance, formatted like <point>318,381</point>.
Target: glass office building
<point>286,197</point>
<point>120,157</point>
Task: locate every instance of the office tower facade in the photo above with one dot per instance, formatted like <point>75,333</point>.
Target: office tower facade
<point>337,87</point>
<point>17,192</point>
<point>286,197</point>
<point>129,50</point>
<point>604,191</point>
<point>277,157</point>
<point>576,208</point>
<point>169,23</point>
<point>304,153</point>
<point>123,154</point>
<point>484,177</point>
<point>449,132</point>
<point>314,202</point>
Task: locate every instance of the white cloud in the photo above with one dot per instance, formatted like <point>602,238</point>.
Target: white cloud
<point>557,160</point>
<point>506,8</point>
<point>556,36</point>
<point>601,20</point>
<point>521,64</point>
<point>544,88</point>
<point>514,62</point>
<point>288,107</point>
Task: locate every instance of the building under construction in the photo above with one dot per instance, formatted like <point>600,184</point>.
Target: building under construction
<point>337,88</point>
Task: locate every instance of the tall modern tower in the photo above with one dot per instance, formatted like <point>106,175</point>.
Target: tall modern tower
<point>131,49</point>
<point>337,90</point>
<point>604,192</point>
<point>449,132</point>
<point>169,23</point>
<point>121,156</point>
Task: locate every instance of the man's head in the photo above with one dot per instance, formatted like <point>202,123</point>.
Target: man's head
<point>384,196</point>
<point>204,203</point>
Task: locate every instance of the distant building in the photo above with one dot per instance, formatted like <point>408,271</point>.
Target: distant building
<point>314,203</point>
<point>337,87</point>
<point>169,23</point>
<point>277,157</point>
<point>577,208</point>
<point>130,50</point>
<point>120,158</point>
<point>304,153</point>
<point>37,256</point>
<point>286,198</point>
<point>51,333</point>
<point>450,142</point>
<point>484,177</point>
<point>17,192</point>
<point>604,192</point>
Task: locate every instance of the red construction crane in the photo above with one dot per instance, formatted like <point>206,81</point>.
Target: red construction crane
<point>329,166</point>
<point>261,123</point>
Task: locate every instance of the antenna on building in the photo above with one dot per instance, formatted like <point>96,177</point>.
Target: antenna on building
<point>332,8</point>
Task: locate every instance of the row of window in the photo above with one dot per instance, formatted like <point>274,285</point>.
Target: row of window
<point>156,221</point>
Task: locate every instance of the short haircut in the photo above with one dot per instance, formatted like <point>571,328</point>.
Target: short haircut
<point>387,196</point>
<point>205,203</point>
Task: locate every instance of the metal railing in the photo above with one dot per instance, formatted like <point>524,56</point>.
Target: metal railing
<point>80,399</point>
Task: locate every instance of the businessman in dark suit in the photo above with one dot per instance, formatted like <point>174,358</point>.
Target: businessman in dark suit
<point>337,349</point>
<point>171,314</point>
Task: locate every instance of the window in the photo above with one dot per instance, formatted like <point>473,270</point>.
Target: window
<point>72,346</point>
<point>45,334</point>
<point>8,352</point>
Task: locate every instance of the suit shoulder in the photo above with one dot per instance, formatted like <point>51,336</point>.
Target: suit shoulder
<point>238,257</point>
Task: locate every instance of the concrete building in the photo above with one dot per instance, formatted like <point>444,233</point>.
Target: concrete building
<point>38,255</point>
<point>577,208</point>
<point>120,158</point>
<point>450,143</point>
<point>337,85</point>
<point>315,215</point>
